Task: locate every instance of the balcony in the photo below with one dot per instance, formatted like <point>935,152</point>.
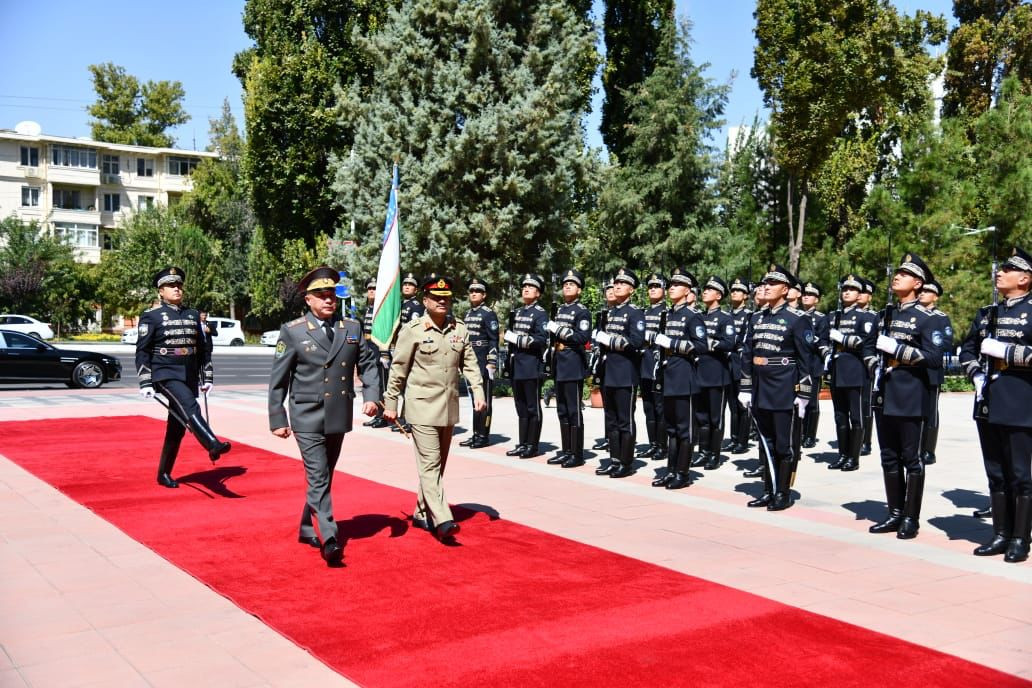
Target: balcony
<point>31,172</point>
<point>91,217</point>
<point>57,174</point>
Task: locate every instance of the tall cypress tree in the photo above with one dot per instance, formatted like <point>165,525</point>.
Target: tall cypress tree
<point>476,103</point>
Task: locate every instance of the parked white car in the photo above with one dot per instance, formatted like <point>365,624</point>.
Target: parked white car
<point>26,325</point>
<point>227,332</point>
<point>270,337</point>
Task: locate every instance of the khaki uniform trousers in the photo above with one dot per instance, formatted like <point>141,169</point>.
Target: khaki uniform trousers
<point>432,444</point>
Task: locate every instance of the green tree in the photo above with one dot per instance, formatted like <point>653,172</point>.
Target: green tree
<point>632,30</point>
<point>658,206</point>
<point>302,50</point>
<point>844,80</point>
<point>34,268</point>
<point>494,174</point>
<point>990,42</point>
<point>274,276</point>
<point>153,239</point>
<point>131,112</point>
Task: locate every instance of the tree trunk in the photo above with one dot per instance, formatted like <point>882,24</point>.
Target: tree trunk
<point>795,233</point>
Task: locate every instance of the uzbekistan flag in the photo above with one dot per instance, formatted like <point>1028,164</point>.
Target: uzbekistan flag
<point>387,303</point>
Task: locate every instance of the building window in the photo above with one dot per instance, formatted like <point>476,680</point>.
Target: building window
<point>145,202</point>
<point>30,196</point>
<point>68,199</point>
<point>144,167</point>
<point>30,156</point>
<point>70,156</point>
<point>181,166</point>
<point>110,241</point>
<point>76,234</point>
<point>109,164</point>
<point>112,202</point>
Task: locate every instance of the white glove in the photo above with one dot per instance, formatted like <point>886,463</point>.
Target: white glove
<point>511,337</point>
<point>206,387</point>
<point>836,336</point>
<point>490,372</point>
<point>604,338</point>
<point>745,398</point>
<point>994,347</point>
<point>827,363</point>
<point>979,380</point>
<point>664,341</point>
<point>385,361</point>
<point>650,336</point>
<point>887,344</point>
<point>552,326</point>
<point>147,392</point>
<point>800,404</point>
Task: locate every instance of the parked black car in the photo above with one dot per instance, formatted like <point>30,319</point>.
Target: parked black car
<point>24,359</point>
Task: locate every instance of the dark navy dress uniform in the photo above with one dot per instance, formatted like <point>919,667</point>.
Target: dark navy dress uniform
<point>571,332</point>
<point>867,393</point>
<point>930,430</point>
<point>821,327</point>
<point>528,339</point>
<point>778,362</point>
<point>376,421</point>
<point>625,334</point>
<point>902,393</point>
<point>683,340</point>
<point>997,355</point>
<point>739,416</point>
<point>651,394</point>
<point>482,325</point>
<point>714,367</point>
<point>172,358</point>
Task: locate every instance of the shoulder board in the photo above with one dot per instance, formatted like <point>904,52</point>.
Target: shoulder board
<point>939,312</point>
<point>823,315</point>
<point>297,321</point>
<point>414,323</point>
<point>923,309</point>
<point>537,307</point>
<point>350,320</point>
<point>153,308</point>
<point>796,311</point>
<point>635,306</point>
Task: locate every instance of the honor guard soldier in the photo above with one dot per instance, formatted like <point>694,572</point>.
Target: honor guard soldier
<point>929,298</point>
<point>172,359</point>
<point>680,343</point>
<point>740,312</point>
<point>778,362</point>
<point>313,372</point>
<point>376,421</point>
<point>598,356</point>
<point>863,302</point>
<point>621,344</point>
<point>411,307</point>
<point>997,356</point>
<point>759,297</point>
<point>714,371</point>
<point>853,334</point>
<point>811,300</point>
<point>910,342</point>
<point>651,396</point>
<point>482,323</point>
<point>529,339</point>
<point>571,330</point>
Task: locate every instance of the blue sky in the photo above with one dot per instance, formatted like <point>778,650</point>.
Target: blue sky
<point>48,45</point>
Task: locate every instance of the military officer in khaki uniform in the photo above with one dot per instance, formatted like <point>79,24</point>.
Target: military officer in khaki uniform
<point>315,367</point>
<point>430,352</point>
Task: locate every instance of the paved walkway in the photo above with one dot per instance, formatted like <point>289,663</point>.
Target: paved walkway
<point>81,604</point>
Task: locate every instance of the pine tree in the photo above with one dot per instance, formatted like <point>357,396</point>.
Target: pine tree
<point>476,103</point>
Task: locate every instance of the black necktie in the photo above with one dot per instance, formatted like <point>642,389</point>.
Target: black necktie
<point>328,325</point>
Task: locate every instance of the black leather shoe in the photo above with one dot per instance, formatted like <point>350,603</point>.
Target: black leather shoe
<point>1017,550</point>
<point>713,463</point>
<point>928,458</point>
<point>479,442</point>
<point>558,458</point>
<point>421,524</point>
<point>739,449</point>
<point>763,500</point>
<point>622,471</point>
<point>468,442</point>
<point>700,459</point>
<point>850,464</point>
<point>372,422</point>
<point>601,444</point>
<point>166,480</point>
<point>447,530</point>
<point>998,545</point>
<point>781,501</point>
<point>809,442</point>
<point>680,480</point>
<point>646,453</point>
<point>839,463</point>
<point>663,480</point>
<point>332,552</point>
<point>865,450</point>
<point>983,513</point>
<point>572,461</point>
<point>380,422</point>
<point>606,470</point>
<point>530,451</point>
<point>889,525</point>
<point>310,540</point>
<point>218,450</point>
<point>754,473</point>
<point>517,450</point>
<point>907,528</point>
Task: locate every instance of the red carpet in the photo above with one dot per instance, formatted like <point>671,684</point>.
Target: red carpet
<point>511,606</point>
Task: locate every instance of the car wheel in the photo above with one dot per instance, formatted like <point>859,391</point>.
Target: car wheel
<point>88,375</point>
<point>237,342</point>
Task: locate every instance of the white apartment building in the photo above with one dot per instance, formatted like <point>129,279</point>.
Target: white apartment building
<point>79,189</point>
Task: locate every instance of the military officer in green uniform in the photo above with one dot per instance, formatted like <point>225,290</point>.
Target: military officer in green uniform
<point>430,352</point>
<point>314,366</point>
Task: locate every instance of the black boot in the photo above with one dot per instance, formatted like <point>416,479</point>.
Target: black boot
<point>768,489</point>
<point>522,444</point>
<point>661,441</point>
<point>533,436</point>
<point>856,437</point>
<point>713,459</point>
<point>894,499</point>
<point>929,439</point>
<point>703,456</point>
<point>783,497</point>
<point>983,513</point>
<point>670,464</point>
<point>682,467</point>
<point>468,442</point>
<point>173,437</point>
<point>576,456</point>
<point>842,437</point>
<point>650,429</point>
<point>865,447</point>
<point>613,442</point>
<point>1017,549</point>
<point>1002,526</point>
<point>911,522</point>
<point>626,457</point>
<point>207,438</point>
<point>810,420</point>
<point>564,451</point>
<point>741,438</point>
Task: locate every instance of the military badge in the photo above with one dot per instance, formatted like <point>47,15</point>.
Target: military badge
<point>144,329</point>
<point>281,348</point>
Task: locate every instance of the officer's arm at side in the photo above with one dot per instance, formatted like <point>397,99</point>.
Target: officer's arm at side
<point>405,346</point>
<point>471,370</point>
<point>280,379</point>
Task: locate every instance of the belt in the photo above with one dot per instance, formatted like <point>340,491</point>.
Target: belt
<point>181,351</point>
<point>480,342</point>
<point>783,361</point>
<point>367,336</point>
